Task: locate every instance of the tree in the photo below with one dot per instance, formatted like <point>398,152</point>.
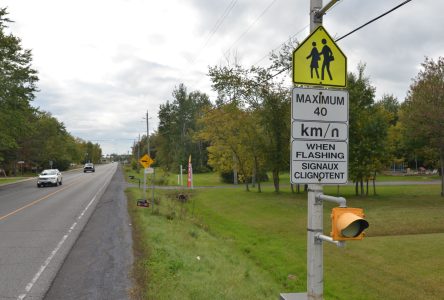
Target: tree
<point>391,105</point>
<point>252,89</point>
<point>177,123</point>
<point>367,131</point>
<point>275,120</point>
<point>235,142</point>
<point>423,115</point>
<point>26,133</point>
<point>17,87</point>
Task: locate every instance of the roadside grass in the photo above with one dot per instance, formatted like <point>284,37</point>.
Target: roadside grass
<point>213,179</point>
<point>178,258</point>
<point>284,177</point>
<point>400,244</point>
<point>167,178</point>
<point>383,178</point>
<point>6,180</point>
<point>253,245</point>
<point>389,267</point>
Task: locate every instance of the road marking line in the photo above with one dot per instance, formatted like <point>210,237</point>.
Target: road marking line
<point>86,208</point>
<point>43,267</point>
<point>37,201</point>
<point>59,245</point>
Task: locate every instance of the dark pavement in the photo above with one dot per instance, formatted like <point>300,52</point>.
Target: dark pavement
<point>99,264</point>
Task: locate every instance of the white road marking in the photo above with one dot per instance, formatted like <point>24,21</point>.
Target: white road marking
<point>57,248</point>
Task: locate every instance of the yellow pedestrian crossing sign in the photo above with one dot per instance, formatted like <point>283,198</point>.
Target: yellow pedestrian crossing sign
<point>146,161</point>
<point>319,61</point>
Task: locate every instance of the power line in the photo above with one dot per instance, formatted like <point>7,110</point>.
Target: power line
<point>223,17</point>
<point>248,29</point>
<point>216,26</point>
<point>351,32</point>
<point>250,26</point>
<point>293,36</point>
<point>373,20</point>
<point>281,44</point>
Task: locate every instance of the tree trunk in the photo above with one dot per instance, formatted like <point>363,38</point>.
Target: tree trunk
<point>374,184</point>
<point>253,178</point>
<point>442,171</point>
<point>276,180</point>
<point>356,187</point>
<point>362,186</point>
<point>235,169</point>
<point>366,187</point>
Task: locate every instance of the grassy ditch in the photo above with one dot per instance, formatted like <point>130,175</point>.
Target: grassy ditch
<point>178,258</point>
<point>230,244</point>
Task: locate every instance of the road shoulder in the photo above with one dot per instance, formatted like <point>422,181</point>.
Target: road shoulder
<point>99,264</point>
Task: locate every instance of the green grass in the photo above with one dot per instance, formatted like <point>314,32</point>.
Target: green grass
<point>253,245</point>
<point>284,177</point>
<point>389,267</point>
<point>271,230</point>
<point>179,259</point>
<point>382,178</point>
<point>213,178</point>
<point>6,180</point>
<point>164,178</point>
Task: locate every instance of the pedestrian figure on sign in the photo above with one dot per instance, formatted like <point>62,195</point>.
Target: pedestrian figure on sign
<point>328,57</point>
<point>315,57</point>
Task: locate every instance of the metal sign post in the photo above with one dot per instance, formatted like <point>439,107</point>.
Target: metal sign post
<point>144,184</point>
<point>146,162</point>
<point>315,255</point>
<point>319,147</point>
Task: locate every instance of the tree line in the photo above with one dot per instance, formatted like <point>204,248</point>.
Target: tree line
<point>244,134</point>
<point>31,138</point>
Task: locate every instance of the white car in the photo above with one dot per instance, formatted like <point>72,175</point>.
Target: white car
<point>49,177</point>
<point>89,167</point>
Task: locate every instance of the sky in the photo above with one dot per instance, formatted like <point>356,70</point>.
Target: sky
<point>103,64</point>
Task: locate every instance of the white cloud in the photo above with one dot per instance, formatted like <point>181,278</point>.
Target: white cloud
<point>103,63</point>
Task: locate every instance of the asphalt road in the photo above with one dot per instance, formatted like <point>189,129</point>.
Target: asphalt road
<point>39,226</point>
<point>98,265</point>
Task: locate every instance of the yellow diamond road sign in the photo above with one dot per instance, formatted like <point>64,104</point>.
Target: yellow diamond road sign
<point>319,61</point>
<point>146,161</point>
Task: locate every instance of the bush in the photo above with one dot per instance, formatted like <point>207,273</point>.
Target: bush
<point>63,165</point>
<point>134,164</point>
<point>228,177</point>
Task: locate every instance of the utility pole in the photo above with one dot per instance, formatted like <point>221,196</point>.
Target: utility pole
<point>148,134</point>
<point>315,268</point>
<point>315,255</point>
<point>315,18</point>
<point>348,223</point>
<point>138,154</point>
<point>149,155</point>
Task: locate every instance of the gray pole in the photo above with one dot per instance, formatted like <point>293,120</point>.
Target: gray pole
<point>315,259</point>
<point>148,134</point>
<point>315,22</point>
<point>149,155</point>
<point>138,154</point>
<point>315,273</point>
